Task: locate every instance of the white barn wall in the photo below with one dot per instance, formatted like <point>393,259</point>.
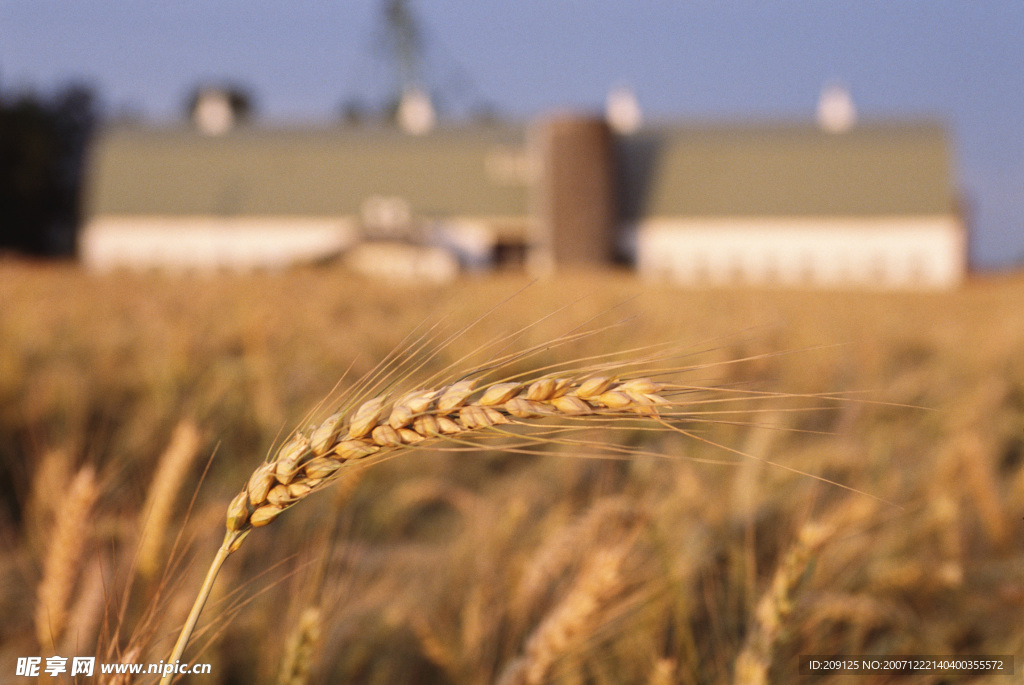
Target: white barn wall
<point>886,252</point>
<point>402,262</point>
<point>204,242</point>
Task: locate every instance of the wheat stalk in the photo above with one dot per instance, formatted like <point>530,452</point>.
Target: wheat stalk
<point>576,615</point>
<point>64,558</point>
<point>382,424</point>
<point>558,552</point>
<point>776,605</point>
<point>301,648</point>
<point>312,460</point>
<point>163,491</point>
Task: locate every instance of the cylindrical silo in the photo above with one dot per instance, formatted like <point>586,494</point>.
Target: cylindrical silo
<point>576,199</point>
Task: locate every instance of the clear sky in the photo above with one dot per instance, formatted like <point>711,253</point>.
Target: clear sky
<point>958,61</point>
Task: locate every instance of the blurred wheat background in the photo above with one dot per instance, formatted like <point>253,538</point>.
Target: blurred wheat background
<point>478,567</point>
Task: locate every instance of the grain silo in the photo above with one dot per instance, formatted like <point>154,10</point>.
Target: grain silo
<point>576,199</point>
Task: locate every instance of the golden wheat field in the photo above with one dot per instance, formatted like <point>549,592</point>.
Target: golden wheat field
<point>848,479</point>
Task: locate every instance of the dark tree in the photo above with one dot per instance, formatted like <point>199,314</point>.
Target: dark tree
<point>42,151</point>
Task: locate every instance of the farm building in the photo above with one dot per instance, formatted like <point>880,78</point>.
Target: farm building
<point>258,198</point>
<point>873,206</point>
<point>792,204</point>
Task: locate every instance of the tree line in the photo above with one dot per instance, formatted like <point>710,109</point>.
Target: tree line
<point>42,153</point>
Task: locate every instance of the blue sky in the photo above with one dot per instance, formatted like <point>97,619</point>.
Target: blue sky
<point>958,61</point>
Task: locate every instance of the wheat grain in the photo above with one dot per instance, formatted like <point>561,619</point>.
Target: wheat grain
<point>86,614</point>
<point>775,606</point>
<point>609,516</point>
<point>308,462</point>
<point>167,481</point>
<point>572,618</point>
<point>52,473</point>
<point>301,649</point>
<point>978,471</point>
<point>63,559</point>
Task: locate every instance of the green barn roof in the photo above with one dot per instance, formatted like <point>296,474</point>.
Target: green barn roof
<point>787,170</point>
<point>300,172</point>
<point>697,171</point>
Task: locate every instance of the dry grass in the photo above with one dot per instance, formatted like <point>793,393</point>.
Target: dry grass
<point>454,567</point>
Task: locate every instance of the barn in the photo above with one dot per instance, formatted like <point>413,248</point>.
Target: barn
<point>788,204</point>
<point>873,206</point>
<point>174,197</point>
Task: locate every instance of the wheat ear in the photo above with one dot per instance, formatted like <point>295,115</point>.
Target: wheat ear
<point>776,605</point>
<point>63,559</point>
<point>575,616</point>
<point>301,648</point>
<point>163,491</point>
<point>311,460</point>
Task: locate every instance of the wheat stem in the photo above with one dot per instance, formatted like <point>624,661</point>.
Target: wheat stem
<point>231,542</point>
